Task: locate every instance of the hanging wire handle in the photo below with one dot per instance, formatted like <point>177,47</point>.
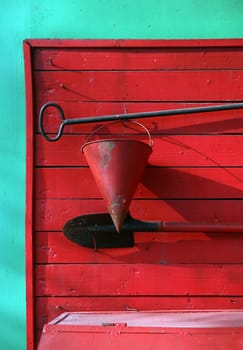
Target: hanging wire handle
<point>127,116</point>
<point>87,141</point>
<point>151,142</point>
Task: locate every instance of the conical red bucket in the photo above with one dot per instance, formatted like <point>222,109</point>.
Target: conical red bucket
<point>117,166</point>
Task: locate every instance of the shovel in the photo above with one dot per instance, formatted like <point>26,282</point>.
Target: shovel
<point>98,230</point>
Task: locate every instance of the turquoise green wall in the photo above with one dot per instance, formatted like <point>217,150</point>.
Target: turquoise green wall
<point>21,19</point>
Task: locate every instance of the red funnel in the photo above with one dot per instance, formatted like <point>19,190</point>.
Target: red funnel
<point>117,166</point>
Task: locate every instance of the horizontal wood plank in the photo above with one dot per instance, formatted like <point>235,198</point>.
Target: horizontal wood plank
<point>140,86</point>
<point>168,150</point>
<point>201,123</point>
<point>125,280</point>
<point>180,338</point>
<point>135,59</point>
<point>48,308</point>
<point>134,43</point>
<point>163,183</point>
<point>51,215</point>
<point>157,248</point>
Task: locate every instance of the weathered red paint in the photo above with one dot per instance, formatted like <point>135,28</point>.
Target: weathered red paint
<point>194,174</point>
<point>193,86</point>
<point>157,183</point>
<point>88,279</point>
<point>49,308</point>
<point>181,150</point>
<point>53,248</point>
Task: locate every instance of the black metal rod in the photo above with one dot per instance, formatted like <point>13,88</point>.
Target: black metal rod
<point>126,116</point>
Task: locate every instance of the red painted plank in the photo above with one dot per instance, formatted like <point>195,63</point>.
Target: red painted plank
<point>131,43</point>
<point>167,150</point>
<point>179,339</point>
<point>136,86</point>
<point>73,338</point>
<point>51,215</point>
<point>216,122</point>
<point>98,280</point>
<point>48,308</point>
<point>157,248</point>
<point>156,183</point>
<point>135,59</point>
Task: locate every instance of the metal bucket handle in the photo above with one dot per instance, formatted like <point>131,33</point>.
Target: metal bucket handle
<point>151,143</point>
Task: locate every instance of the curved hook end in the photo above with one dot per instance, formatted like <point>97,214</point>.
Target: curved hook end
<point>41,121</point>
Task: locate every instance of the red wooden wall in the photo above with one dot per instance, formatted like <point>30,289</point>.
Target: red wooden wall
<point>194,174</point>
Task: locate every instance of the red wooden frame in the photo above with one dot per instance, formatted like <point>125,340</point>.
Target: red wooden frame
<point>29,47</point>
<point>79,43</point>
<point>29,198</point>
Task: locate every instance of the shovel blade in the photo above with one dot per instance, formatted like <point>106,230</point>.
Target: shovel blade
<point>97,231</point>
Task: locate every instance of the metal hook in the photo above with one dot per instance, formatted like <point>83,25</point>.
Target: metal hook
<point>41,121</point>
<point>128,116</point>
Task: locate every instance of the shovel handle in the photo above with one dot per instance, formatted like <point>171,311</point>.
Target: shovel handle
<point>200,227</point>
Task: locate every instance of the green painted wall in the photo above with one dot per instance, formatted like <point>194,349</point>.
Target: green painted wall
<point>20,19</point>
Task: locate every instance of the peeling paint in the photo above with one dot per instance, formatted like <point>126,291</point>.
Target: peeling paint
<point>117,211</point>
<point>105,149</point>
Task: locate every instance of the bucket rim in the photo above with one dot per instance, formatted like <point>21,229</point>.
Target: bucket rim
<point>116,139</point>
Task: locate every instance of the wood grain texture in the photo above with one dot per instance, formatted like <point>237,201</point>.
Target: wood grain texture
<point>49,308</point>
<point>98,280</point>
<point>207,85</point>
<point>134,59</point>
<point>164,183</point>
<point>169,151</point>
<point>150,248</point>
<point>180,338</point>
